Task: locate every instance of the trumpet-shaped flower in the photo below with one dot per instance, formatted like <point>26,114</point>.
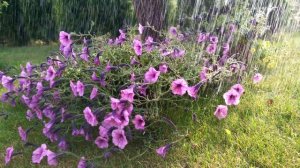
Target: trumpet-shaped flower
<point>90,117</point>
<point>221,112</point>
<point>232,97</point>
<point>152,75</point>
<point>179,87</point>
<point>119,138</point>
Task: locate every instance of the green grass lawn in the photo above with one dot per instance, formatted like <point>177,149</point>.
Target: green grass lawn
<point>263,131</point>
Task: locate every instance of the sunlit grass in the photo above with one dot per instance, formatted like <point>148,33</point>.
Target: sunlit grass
<point>263,131</point>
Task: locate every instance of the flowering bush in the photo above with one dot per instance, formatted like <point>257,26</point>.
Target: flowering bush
<point>107,90</point>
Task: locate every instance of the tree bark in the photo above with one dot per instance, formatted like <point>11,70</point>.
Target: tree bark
<point>153,13</point>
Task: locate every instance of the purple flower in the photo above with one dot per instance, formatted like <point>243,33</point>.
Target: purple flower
<point>149,44</point>
<point>111,121</point>
<point>257,78</point>
<point>90,117</point>
<point>163,68</point>
<point>97,60</point>
<point>119,138</point>
<point>132,77</point>
<point>29,68</point>
<point>221,112</point>
<point>203,74</point>
<point>22,134</point>
<point>40,88</point>
<point>122,37</point>
<point>103,132</point>
<point>39,154</point>
<point>231,97</point>
<point>73,88</point>
<point>114,103</point>
<point>179,87</point>
<point>67,50</point>
<point>101,142</point>
<point>213,39</point>
<point>94,93</point>
<point>232,28</point>
<point>133,61</point>
<point>137,46</point>
<point>141,29</point>
<point>239,88</point>
<point>193,91</point>
<point>65,38</point>
<point>177,53</point>
<point>85,54</point>
<point>162,151</point>
<point>201,38</point>
<point>173,31</point>
<point>51,74</point>
<point>127,94</point>
<point>151,76</point>
<point>8,83</point>
<point>51,158</point>
<point>63,144</point>
<point>211,48</point>
<point>29,115</point>
<point>80,88</point>
<point>142,90</point>
<point>9,153</point>
<point>139,122</point>
<point>82,163</point>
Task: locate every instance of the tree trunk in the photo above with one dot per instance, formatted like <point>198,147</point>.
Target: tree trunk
<point>150,12</point>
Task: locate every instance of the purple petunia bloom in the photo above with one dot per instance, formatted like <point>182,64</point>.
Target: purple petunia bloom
<point>82,163</point>
<point>85,54</point>
<point>163,68</point>
<point>22,134</point>
<point>151,76</point>
<point>40,88</point>
<point>257,78</point>
<point>162,151</point>
<point>119,138</point>
<point>149,44</point>
<point>111,121</point>
<point>193,90</point>
<point>114,103</point>
<point>80,88</point>
<point>221,112</point>
<point>203,74</point>
<point>232,97</point>
<point>122,37</point>
<point>178,53</point>
<point>103,132</point>
<point>141,28</point>
<point>94,93</point>
<point>63,145</point>
<point>139,122</point>
<point>232,28</point>
<point>90,117</point>
<point>101,142</point>
<point>239,88</point>
<point>202,38</point>
<point>65,38</point>
<point>173,31</point>
<point>73,88</point>
<point>127,94</point>
<point>142,90</point>
<point>67,50</point>
<point>29,68</point>
<point>179,87</point>
<point>8,83</point>
<point>51,158</point>
<point>39,154</point>
<point>211,48</point>
<point>51,74</point>
<point>213,39</point>
<point>9,153</point>
<point>29,115</point>
<point>132,77</point>
<point>137,46</point>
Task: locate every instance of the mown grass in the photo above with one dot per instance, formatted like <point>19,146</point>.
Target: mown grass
<point>263,131</point>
